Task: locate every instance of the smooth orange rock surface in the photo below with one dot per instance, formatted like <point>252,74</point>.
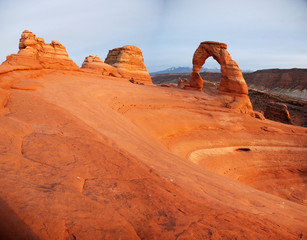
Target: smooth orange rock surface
<point>84,156</point>
<point>232,82</point>
<point>4,97</point>
<point>96,65</point>
<point>35,54</point>
<point>129,61</point>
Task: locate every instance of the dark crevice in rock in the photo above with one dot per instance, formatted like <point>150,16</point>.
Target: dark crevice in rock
<point>243,149</point>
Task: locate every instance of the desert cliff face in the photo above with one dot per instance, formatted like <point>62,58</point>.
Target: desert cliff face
<point>297,108</point>
<point>89,156</point>
<point>287,82</point>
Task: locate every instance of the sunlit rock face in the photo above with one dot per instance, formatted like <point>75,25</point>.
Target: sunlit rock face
<point>129,62</point>
<point>35,54</point>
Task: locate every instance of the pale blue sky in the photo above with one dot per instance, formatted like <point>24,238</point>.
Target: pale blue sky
<point>259,33</point>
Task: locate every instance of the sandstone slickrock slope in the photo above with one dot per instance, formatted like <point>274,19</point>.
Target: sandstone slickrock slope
<point>35,54</point>
<point>87,156</point>
<point>96,65</point>
<point>106,165</point>
<point>232,82</point>
<point>129,62</point>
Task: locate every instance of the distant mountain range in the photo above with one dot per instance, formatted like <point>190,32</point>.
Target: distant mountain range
<point>182,70</point>
<point>172,70</point>
<point>187,70</point>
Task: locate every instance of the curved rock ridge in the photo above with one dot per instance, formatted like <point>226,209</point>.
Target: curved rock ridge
<point>129,62</point>
<point>35,54</point>
<point>232,82</point>
<point>96,65</point>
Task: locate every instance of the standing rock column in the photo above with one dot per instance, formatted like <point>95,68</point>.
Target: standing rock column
<point>129,62</point>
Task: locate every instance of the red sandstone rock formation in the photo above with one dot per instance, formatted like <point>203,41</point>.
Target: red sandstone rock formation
<point>278,112</point>
<point>95,64</point>
<point>232,82</point>
<point>129,62</point>
<point>35,54</point>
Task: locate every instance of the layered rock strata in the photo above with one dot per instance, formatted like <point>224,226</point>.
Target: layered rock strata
<point>129,62</point>
<point>232,82</point>
<point>96,65</point>
<point>297,108</point>
<point>35,54</point>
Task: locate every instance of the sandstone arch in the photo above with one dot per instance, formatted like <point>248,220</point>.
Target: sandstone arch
<point>232,81</point>
<point>233,89</point>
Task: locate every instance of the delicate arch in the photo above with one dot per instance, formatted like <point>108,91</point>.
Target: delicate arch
<point>232,80</point>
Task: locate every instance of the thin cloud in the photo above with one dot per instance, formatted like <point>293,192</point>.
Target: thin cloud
<point>167,31</point>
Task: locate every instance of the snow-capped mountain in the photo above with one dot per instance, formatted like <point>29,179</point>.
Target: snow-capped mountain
<point>182,70</point>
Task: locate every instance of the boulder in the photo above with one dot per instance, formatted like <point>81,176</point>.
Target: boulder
<point>35,54</point>
<point>129,62</point>
<point>96,65</point>
<point>136,82</point>
<point>259,115</point>
<point>181,82</point>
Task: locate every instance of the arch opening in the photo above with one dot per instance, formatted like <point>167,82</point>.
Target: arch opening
<point>211,65</point>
